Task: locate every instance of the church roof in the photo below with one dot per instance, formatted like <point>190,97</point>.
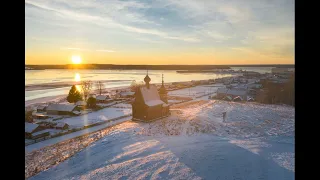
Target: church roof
<point>151,96</point>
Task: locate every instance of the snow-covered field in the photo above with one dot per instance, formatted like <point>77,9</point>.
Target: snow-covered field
<point>122,105</point>
<point>196,91</point>
<point>95,117</point>
<point>255,142</point>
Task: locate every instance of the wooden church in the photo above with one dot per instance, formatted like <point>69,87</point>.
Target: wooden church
<point>148,105</point>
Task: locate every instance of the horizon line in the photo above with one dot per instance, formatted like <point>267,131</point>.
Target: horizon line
<point>154,64</point>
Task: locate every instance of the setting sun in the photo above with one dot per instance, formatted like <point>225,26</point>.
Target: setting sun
<point>76,59</point>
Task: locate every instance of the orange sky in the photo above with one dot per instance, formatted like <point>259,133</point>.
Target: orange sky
<point>170,32</point>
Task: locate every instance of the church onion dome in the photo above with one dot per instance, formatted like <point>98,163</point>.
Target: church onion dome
<point>162,90</point>
<point>147,79</point>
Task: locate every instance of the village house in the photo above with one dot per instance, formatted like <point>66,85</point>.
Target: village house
<point>147,104</point>
<point>62,125</point>
<point>62,109</point>
<point>81,104</point>
<point>39,115</point>
<point>41,134</point>
<point>232,93</point>
<point>31,128</point>
<point>254,86</point>
<point>126,94</point>
<point>103,98</point>
<point>251,74</point>
<point>41,108</point>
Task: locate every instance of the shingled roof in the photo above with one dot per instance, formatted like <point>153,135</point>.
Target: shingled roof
<point>151,96</point>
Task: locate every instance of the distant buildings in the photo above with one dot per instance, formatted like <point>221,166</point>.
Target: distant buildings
<point>232,93</point>
<point>103,98</point>
<point>251,74</point>
<point>62,109</point>
<point>126,94</point>
<point>282,72</point>
<point>147,104</point>
<point>62,125</point>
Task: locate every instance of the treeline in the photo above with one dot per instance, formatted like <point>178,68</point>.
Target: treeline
<point>131,67</point>
<point>149,67</point>
<point>281,94</point>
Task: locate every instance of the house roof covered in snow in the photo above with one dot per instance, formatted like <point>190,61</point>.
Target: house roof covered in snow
<point>61,107</point>
<point>102,97</point>
<point>238,97</point>
<point>41,107</point>
<point>233,91</point>
<point>127,93</point>
<point>81,103</point>
<point>61,124</point>
<point>227,98</point>
<point>41,132</point>
<point>150,95</point>
<point>30,127</point>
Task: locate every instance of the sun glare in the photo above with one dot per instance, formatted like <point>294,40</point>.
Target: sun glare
<point>77,77</point>
<point>78,87</point>
<point>76,59</point>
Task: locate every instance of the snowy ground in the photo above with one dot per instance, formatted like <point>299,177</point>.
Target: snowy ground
<point>122,105</point>
<point>196,91</point>
<point>255,142</point>
<point>95,117</point>
<point>59,139</point>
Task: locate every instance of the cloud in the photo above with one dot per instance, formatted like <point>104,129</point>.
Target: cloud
<point>105,50</point>
<point>109,21</point>
<point>81,49</point>
<point>149,40</point>
<point>250,26</point>
<point>73,48</point>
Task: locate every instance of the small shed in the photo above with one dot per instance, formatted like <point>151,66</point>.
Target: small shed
<point>126,94</point>
<point>237,99</point>
<point>61,109</point>
<point>103,98</point>
<point>41,108</point>
<point>62,125</point>
<point>81,103</point>
<point>227,98</point>
<point>41,134</point>
<point>36,115</point>
<point>30,128</point>
<point>233,92</point>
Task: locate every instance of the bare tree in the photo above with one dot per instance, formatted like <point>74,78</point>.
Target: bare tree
<point>133,85</point>
<point>100,86</point>
<point>86,87</point>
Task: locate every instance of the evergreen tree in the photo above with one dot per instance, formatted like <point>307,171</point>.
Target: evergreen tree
<point>92,102</point>
<point>74,95</point>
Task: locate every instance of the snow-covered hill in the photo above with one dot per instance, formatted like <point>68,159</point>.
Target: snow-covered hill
<point>255,142</point>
